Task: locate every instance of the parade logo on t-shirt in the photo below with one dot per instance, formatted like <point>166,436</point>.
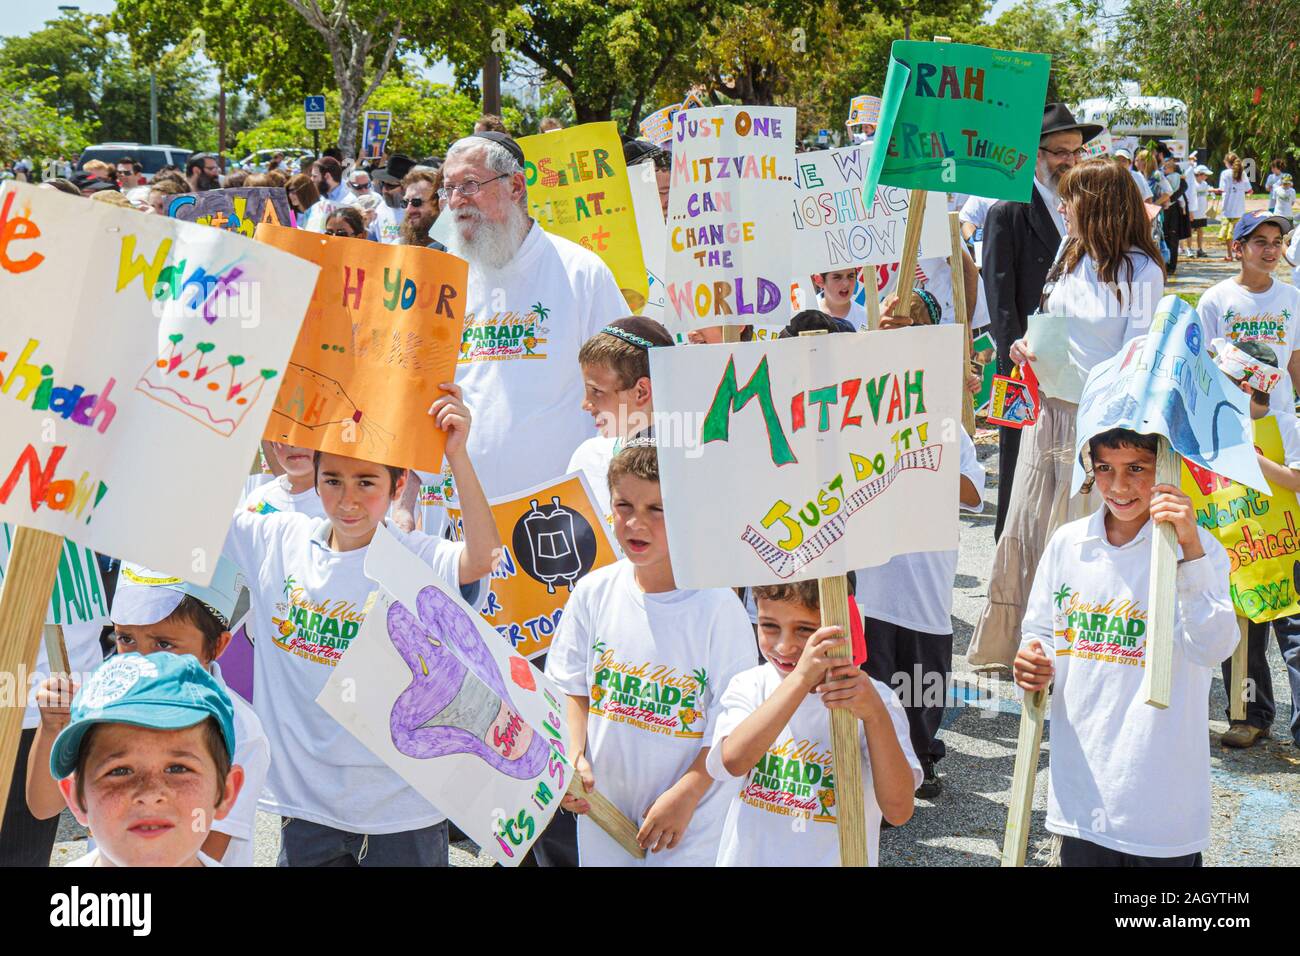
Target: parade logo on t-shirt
<point>794,778</point>
<point>505,335</point>
<point>1267,328</point>
<point>1112,631</point>
<point>319,631</point>
<point>650,696</point>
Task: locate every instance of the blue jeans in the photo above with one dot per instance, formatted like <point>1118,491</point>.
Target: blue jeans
<point>1260,707</point>
<point>303,843</point>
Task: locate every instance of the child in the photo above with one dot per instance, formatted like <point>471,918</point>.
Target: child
<point>341,805</point>
<point>136,723</point>
<point>1130,783</point>
<point>1198,206</point>
<point>155,612</point>
<point>1254,307</point>
<point>773,732</point>
<point>1253,369</point>
<point>1282,196</point>
<point>616,375</point>
<point>835,296</point>
<point>644,665</point>
<point>292,490</point>
<point>1234,187</point>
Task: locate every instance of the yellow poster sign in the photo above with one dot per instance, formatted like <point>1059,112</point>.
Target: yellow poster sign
<point>553,536</point>
<point>1258,532</point>
<point>578,189</point>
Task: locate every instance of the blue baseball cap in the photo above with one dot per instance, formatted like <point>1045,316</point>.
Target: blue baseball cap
<point>147,597</point>
<point>1253,220</point>
<point>161,691</point>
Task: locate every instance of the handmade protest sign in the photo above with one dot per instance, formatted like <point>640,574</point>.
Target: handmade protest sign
<point>864,111</point>
<point>835,229</point>
<point>237,210</point>
<point>381,334</point>
<point>654,235</point>
<point>78,596</point>
<point>658,126</point>
<point>1259,532</point>
<point>374,133</point>
<point>578,188</point>
<point>728,258</point>
<point>1165,383</point>
<point>552,536</point>
<point>1058,374</point>
<point>960,118</point>
<point>440,698</point>
<point>780,460</point>
<point>138,363</point>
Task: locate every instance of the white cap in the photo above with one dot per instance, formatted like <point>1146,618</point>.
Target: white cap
<point>1201,171</point>
<point>1123,154</point>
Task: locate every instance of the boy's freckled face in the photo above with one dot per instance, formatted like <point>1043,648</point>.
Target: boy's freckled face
<point>605,400</point>
<point>355,494</point>
<point>150,794</point>
<point>1125,477</point>
<point>173,637</point>
<point>783,629</point>
<point>639,520</point>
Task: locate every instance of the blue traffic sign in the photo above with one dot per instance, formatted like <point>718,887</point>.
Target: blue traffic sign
<point>314,104</point>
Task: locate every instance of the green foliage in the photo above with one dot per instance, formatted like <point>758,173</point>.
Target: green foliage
<point>30,127</point>
<point>78,67</point>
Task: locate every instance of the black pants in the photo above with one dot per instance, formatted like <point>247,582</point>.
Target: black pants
<point>1008,452</point>
<point>25,840</point>
<point>1260,707</point>
<point>1077,852</point>
<point>919,669</point>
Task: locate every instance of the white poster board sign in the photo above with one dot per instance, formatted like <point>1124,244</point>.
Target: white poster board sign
<point>807,457</point>
<point>433,690</point>
<point>728,257</point>
<point>139,360</point>
<point>653,232</point>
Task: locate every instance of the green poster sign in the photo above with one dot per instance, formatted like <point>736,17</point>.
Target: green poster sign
<point>78,596</point>
<point>960,118</point>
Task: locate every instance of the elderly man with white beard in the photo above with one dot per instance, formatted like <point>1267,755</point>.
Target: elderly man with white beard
<point>533,299</point>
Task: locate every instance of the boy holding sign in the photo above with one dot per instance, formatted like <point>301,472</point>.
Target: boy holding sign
<point>1130,784</point>
<point>644,665</point>
<point>341,804</point>
<point>773,732</point>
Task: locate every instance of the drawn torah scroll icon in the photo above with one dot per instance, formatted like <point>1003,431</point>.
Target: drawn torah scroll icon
<point>457,702</point>
<point>554,544</point>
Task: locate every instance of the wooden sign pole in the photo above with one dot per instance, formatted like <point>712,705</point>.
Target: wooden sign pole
<point>846,753</point>
<point>608,817</point>
<point>873,304</point>
<point>1158,673</point>
<point>56,650</point>
<point>911,243</point>
<point>1237,692</point>
<point>1016,839</point>
<point>33,563</point>
<point>957,263</point>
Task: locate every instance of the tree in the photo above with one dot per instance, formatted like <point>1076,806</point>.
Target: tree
<point>289,48</point>
<point>1036,26</point>
<point>29,126</point>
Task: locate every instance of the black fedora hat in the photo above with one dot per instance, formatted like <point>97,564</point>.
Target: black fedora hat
<point>399,164</point>
<point>1057,118</point>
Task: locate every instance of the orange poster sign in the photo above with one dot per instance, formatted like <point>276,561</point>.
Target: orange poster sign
<point>382,332</point>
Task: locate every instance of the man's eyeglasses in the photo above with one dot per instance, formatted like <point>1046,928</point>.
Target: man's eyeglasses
<point>1079,153</point>
<point>341,232</point>
<point>360,186</point>
<point>415,203</point>
<point>468,188</point>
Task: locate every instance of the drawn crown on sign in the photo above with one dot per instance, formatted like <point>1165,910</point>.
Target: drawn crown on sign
<point>216,391</point>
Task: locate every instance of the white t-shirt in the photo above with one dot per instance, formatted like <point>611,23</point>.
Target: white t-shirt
<point>1143,186</point>
<point>387,225</point>
<point>274,495</point>
<point>592,458</point>
<point>310,602</point>
<point>1283,200</point>
<point>1288,429</point>
<point>975,210</point>
<point>856,316</point>
<point>1293,253</point>
<point>1126,775</point>
<point>654,667</point>
<point>938,282</point>
<point>91,858</point>
<point>1198,198</point>
<point>1230,311</point>
<point>915,590</point>
<point>1099,323</point>
<point>253,753</point>
<point>795,779</point>
<point>1234,194</point>
<point>519,366</point>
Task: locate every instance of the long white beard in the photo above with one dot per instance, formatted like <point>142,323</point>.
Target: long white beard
<point>493,244</point>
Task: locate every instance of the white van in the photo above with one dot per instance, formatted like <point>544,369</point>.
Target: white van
<point>152,158</point>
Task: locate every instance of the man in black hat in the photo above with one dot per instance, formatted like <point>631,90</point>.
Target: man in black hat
<point>388,216</point>
<point>1020,242</point>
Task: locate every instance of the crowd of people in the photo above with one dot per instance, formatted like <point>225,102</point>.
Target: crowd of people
<point>755,788</point>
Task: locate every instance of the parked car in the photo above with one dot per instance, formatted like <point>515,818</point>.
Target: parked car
<point>257,161</point>
<point>152,158</point>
